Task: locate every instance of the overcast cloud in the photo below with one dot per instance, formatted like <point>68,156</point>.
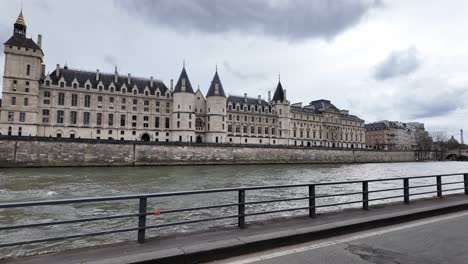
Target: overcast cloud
<point>398,63</point>
<point>298,19</point>
<point>389,59</point>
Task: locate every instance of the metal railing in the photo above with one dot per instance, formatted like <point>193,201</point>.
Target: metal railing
<point>311,188</point>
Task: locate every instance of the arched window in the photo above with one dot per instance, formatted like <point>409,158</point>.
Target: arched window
<point>199,124</point>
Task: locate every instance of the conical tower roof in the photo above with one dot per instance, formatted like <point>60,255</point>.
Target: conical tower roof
<point>20,19</point>
<point>216,87</point>
<point>183,81</point>
<point>279,93</point>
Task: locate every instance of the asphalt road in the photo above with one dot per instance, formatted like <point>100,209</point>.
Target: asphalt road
<point>442,239</point>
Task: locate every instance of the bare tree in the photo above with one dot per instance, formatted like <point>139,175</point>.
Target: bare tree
<point>440,145</point>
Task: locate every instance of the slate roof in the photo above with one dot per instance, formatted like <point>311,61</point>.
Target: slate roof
<point>211,90</point>
<point>323,104</point>
<point>83,76</point>
<point>279,93</point>
<point>250,101</point>
<point>382,125</point>
<point>188,85</point>
<point>19,40</point>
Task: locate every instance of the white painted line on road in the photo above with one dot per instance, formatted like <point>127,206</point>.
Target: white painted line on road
<point>344,240</point>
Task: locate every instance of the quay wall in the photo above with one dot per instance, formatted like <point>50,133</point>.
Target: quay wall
<point>52,152</point>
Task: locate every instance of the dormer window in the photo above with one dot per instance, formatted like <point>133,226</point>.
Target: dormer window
<point>157,94</point>
<point>47,83</point>
<point>134,91</point>
<point>88,87</point>
<point>112,89</point>
<point>124,90</point>
<point>100,87</point>
<point>146,93</point>
<point>75,85</point>
<point>62,84</point>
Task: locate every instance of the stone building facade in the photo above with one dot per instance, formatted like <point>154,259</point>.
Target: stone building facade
<point>91,104</point>
<point>393,135</point>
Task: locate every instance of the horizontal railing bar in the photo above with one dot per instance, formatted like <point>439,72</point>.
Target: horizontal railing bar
<point>180,193</point>
<point>192,221</point>
<point>67,222</point>
<point>384,198</point>
<point>448,183</point>
<point>277,200</point>
<point>336,204</point>
<point>338,194</point>
<point>423,186</point>
<point>279,211</point>
<point>454,189</point>
<point>386,190</point>
<point>193,208</point>
<point>68,237</point>
<point>412,194</point>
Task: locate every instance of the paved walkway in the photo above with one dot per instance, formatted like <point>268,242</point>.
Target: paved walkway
<point>211,245</point>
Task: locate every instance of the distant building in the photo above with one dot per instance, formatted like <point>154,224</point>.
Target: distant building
<point>92,104</point>
<point>393,135</point>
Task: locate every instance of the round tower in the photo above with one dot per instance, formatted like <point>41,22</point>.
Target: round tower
<point>183,113</point>
<point>282,107</point>
<point>216,112</point>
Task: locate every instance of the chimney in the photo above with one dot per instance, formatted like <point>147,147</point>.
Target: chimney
<point>245,95</point>
<point>116,75</point>
<point>172,84</point>
<point>151,81</point>
<point>128,79</point>
<point>269,96</point>
<point>285,94</point>
<point>43,70</point>
<point>39,40</point>
<point>57,71</point>
<point>462,141</point>
<point>97,75</point>
<point>259,98</point>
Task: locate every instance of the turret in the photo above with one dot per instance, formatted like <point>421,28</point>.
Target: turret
<point>282,107</point>
<point>216,111</point>
<point>183,114</point>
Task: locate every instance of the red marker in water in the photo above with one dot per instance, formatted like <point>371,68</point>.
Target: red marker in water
<point>157,212</point>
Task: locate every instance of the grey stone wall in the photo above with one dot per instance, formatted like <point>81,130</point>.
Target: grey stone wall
<point>45,152</point>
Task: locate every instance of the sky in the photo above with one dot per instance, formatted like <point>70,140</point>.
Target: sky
<point>381,59</point>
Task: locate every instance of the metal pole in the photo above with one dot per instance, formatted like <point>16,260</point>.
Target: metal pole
<point>312,212</point>
<point>142,220</point>
<point>465,179</point>
<point>241,209</point>
<point>439,186</point>
<point>365,195</point>
<point>406,190</point>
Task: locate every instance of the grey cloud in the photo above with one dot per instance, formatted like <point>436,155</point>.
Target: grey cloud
<point>243,76</point>
<point>294,20</point>
<point>438,104</point>
<point>398,63</point>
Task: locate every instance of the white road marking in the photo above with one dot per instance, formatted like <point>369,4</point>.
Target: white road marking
<point>344,240</point>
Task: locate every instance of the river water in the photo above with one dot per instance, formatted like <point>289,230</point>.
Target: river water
<point>59,183</point>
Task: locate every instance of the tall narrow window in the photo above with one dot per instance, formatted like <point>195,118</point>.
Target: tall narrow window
<point>22,117</point>
<point>13,100</point>
<point>74,100</point>
<point>99,119</point>
<point>167,125</point>
<point>156,125</point>
<point>87,101</point>
<point>111,120</point>
<point>61,99</point>
<point>122,120</point>
<point>86,116</point>
<point>28,70</point>
<point>26,101</point>
<point>59,117</point>
<point>45,115</point>
<point>73,118</point>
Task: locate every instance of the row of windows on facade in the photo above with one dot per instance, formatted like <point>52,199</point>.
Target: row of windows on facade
<point>329,120</point>
<point>101,88</point>
<point>100,102</point>
<point>252,119</point>
<point>328,127</point>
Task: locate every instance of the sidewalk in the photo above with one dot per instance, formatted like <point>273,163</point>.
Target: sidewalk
<point>211,245</point>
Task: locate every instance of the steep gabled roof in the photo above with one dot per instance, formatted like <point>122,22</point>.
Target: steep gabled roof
<point>212,91</point>
<point>279,93</point>
<point>21,41</point>
<point>188,86</point>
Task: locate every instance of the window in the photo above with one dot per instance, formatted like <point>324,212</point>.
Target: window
<point>28,70</point>
<point>11,116</point>
<point>111,120</point>
<point>87,101</point>
<point>22,117</point>
<point>46,97</point>
<point>26,101</point>
<point>178,124</point>
<point>88,86</point>
<point>75,85</point>
<point>99,99</point>
<point>86,118</point>
<point>62,84</point>
<point>13,100</point>
<point>74,100</point>
<point>45,115</point>
<point>73,117</point>
<point>156,122</point>
<point>167,122</point>
<point>122,120</point>
<point>61,99</point>
<point>99,119</point>
<point>229,128</point>
<point>122,104</point>
<point>59,117</point>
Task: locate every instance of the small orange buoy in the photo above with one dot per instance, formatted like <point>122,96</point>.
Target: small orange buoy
<point>157,212</point>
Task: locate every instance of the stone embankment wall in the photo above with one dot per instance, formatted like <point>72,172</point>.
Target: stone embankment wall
<point>47,152</point>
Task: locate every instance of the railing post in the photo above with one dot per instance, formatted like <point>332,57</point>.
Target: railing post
<point>142,219</point>
<point>241,209</point>
<point>465,180</point>
<point>406,190</point>
<point>365,195</point>
<point>312,212</point>
<point>439,186</point>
